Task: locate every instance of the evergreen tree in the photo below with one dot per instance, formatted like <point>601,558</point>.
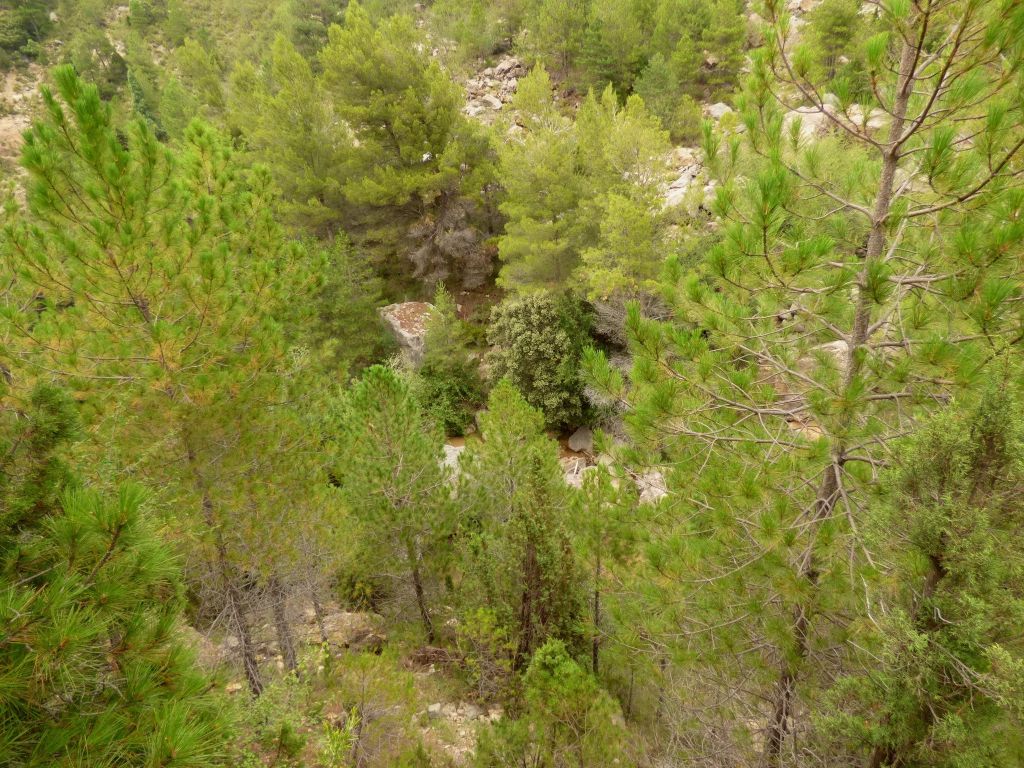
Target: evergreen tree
<point>149,281</point>
<point>90,603</point>
<point>419,168</point>
<point>291,124</point>
<point>563,180</point>
<point>860,278</point>
<point>553,33</point>
<point>542,192</point>
<point>348,333</point>
<point>536,343</point>
<point>448,382</point>
<point>390,470</point>
<point>567,720</point>
<point>942,684</point>
<point>517,555</point>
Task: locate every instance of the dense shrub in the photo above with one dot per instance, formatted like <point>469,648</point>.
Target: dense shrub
<point>538,340</point>
<point>567,720</point>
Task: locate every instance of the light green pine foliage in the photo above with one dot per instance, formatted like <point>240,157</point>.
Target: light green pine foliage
<point>91,666</point>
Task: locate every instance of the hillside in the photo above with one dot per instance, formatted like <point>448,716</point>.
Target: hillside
<point>528,383</point>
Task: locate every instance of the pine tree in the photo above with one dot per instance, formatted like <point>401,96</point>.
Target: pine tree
<point>559,180</point>
<point>420,169</point>
<point>553,33</point>
<point>448,382</point>
<point>390,470</point>
<point>518,557</point>
<point>861,277</point>
<point>90,603</point>
<point>149,281</point>
<point>291,124</point>
<point>568,720</point>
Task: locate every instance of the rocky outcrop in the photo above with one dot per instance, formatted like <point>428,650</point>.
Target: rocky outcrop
<point>690,187</point>
<point>408,324</point>
<point>489,90</point>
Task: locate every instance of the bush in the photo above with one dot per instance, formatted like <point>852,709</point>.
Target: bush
<point>538,341</point>
<point>489,654</point>
<point>567,720</point>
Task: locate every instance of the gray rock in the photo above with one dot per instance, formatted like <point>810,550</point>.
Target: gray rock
<point>582,440</point>
<point>408,323</point>
<point>451,457</point>
<point>719,109</point>
<point>652,487</point>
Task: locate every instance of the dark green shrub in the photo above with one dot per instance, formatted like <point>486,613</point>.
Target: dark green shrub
<point>537,344</point>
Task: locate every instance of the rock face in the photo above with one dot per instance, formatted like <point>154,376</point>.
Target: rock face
<point>689,174</point>
<point>408,323</point>
<point>19,91</point>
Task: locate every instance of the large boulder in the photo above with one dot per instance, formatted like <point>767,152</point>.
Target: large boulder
<point>813,122</point>
<point>718,110</point>
<point>582,440</point>
<point>408,324</point>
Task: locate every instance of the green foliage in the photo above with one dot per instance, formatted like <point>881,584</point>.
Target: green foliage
<point>489,654</point>
<point>537,341</point>
<point>390,471</point>
<point>945,679</point>
<point>290,123</point>
<point>478,27</point>
<point>447,382</point>
<point>399,104</point>
<point>180,352</point>
<point>276,718</point>
<point>784,378</point>
<point>516,554</point>
<point>23,24</point>
<point>90,601</point>
<point>558,182</point>
<point>703,42</point>
<point>553,32</point>
<point>613,44</point>
<point>567,720</point>
<point>679,112</point>
<point>416,169</point>
<point>837,31</point>
<point>349,333</point>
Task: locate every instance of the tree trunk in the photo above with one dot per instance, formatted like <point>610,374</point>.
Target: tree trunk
<point>318,612</point>
<point>421,599</point>
<point>785,686</point>
<point>526,606</point>
<point>234,603</point>
<point>285,638</point>
<point>595,642</point>
<point>782,702</point>
<point>246,647</point>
